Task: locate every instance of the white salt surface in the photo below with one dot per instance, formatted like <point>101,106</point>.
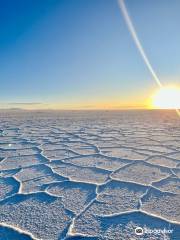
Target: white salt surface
<point>89,175</point>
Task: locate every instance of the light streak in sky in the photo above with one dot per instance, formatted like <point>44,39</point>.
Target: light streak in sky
<point>137,41</point>
<point>138,44</point>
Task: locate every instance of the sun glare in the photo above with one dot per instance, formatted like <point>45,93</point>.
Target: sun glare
<point>166,98</point>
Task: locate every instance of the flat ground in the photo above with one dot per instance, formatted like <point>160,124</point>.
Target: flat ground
<point>89,175</point>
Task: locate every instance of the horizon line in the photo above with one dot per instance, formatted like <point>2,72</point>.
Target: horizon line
<point>84,109</point>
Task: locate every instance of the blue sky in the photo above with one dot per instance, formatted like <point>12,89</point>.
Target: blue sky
<point>79,54</point>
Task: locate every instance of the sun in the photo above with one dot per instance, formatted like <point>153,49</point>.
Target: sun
<point>166,98</point>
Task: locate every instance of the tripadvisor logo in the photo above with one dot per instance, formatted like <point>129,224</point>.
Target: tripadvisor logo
<point>140,231</point>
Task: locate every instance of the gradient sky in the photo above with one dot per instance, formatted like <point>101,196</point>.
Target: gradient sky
<point>79,53</point>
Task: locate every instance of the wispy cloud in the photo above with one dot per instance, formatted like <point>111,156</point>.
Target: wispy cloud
<point>25,103</point>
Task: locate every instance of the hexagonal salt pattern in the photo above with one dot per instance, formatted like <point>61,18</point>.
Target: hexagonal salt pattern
<point>89,175</point>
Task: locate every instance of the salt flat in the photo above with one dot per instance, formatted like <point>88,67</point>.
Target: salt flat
<point>89,175</point>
